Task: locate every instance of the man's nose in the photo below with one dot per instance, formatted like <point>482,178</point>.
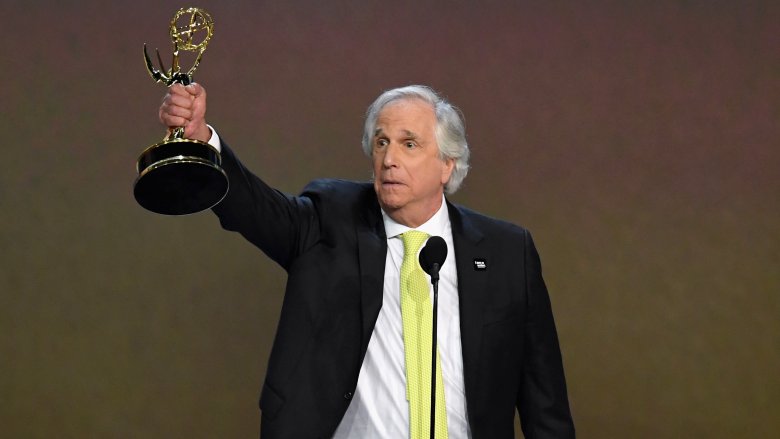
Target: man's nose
<point>390,159</point>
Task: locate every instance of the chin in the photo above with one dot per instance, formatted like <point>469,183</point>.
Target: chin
<point>390,201</point>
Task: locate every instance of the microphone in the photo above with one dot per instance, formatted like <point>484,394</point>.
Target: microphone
<point>431,258</point>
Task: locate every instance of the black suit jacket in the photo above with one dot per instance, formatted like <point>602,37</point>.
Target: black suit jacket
<point>331,241</point>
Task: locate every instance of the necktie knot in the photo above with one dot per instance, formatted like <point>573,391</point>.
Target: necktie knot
<point>413,240</point>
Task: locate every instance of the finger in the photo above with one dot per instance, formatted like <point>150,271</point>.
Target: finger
<point>174,115</point>
<point>195,90</point>
<point>178,89</point>
<point>178,101</point>
<point>176,110</point>
<point>173,121</point>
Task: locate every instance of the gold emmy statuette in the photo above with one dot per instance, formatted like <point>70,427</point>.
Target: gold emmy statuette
<point>179,176</point>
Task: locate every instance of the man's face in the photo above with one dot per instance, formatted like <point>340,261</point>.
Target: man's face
<point>409,176</point>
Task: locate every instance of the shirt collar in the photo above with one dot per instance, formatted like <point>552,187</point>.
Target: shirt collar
<point>435,226</point>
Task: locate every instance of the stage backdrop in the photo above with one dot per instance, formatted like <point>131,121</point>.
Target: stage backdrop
<point>637,140</point>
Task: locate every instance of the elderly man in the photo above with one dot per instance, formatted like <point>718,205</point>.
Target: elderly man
<point>352,355</point>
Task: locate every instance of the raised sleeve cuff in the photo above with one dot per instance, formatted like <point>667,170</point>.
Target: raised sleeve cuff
<point>214,139</point>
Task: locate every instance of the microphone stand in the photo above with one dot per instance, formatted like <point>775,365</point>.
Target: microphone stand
<point>435,282</point>
<point>433,256</point>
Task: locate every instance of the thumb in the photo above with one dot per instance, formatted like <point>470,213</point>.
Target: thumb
<point>195,90</point>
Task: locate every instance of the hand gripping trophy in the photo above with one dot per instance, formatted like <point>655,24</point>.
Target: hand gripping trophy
<point>180,176</point>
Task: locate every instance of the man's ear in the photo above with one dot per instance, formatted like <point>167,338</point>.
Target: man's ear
<point>446,173</point>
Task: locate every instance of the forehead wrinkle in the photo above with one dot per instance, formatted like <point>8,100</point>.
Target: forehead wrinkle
<point>410,134</point>
<point>406,133</point>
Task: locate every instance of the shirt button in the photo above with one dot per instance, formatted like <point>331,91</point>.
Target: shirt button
<point>348,396</point>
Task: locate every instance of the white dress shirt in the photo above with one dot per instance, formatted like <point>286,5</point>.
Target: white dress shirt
<point>379,408</point>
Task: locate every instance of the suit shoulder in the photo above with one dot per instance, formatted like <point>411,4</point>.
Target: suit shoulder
<point>332,189</point>
<point>490,225</point>
<point>340,198</point>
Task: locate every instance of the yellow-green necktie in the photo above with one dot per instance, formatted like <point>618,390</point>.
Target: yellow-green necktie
<point>417,316</point>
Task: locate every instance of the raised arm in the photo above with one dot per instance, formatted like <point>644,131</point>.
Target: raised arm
<point>282,226</point>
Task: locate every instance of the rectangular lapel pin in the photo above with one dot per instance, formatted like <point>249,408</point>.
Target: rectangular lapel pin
<point>480,264</point>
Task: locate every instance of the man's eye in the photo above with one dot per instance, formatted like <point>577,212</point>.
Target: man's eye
<point>381,142</point>
<point>410,145</point>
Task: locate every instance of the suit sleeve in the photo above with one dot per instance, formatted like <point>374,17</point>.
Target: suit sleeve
<point>542,401</point>
<point>282,226</point>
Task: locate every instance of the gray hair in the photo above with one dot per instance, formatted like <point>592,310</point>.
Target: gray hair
<point>450,131</point>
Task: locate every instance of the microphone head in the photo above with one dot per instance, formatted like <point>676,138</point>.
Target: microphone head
<point>434,252</point>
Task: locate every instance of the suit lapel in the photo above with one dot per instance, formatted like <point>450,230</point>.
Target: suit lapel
<point>471,284</point>
<point>372,252</point>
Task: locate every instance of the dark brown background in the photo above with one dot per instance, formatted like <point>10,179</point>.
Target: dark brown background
<point>638,140</point>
